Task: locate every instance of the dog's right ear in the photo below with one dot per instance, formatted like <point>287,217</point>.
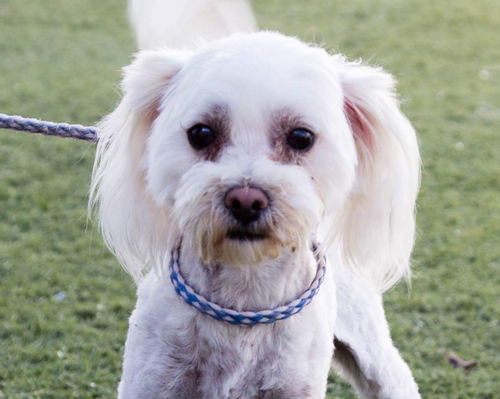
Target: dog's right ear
<point>148,77</point>
<point>127,216</point>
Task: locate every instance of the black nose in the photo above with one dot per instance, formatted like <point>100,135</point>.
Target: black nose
<point>246,203</point>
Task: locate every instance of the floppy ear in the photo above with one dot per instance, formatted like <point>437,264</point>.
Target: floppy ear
<point>378,223</point>
<point>125,211</point>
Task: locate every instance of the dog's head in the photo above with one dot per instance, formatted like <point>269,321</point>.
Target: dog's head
<point>256,145</point>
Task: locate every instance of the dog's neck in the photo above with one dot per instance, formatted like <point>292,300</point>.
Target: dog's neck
<point>251,287</point>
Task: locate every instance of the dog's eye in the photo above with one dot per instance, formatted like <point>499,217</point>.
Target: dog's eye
<point>200,136</point>
<point>300,139</point>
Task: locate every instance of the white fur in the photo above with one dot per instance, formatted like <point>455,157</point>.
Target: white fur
<point>183,23</point>
<point>353,192</point>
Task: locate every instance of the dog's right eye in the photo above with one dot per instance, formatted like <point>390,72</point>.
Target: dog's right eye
<point>300,139</point>
<point>200,136</point>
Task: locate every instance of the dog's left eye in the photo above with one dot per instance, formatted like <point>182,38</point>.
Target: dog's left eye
<point>300,139</point>
<point>200,136</point>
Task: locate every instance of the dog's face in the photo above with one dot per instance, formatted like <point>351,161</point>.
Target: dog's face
<point>256,145</point>
<point>250,147</point>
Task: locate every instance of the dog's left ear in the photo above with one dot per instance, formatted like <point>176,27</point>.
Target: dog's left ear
<point>378,223</point>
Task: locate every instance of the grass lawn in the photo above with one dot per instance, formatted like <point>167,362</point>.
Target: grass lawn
<point>64,301</point>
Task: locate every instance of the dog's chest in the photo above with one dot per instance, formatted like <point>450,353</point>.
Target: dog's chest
<point>174,352</point>
<point>230,362</point>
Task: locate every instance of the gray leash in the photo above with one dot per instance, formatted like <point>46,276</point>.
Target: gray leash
<point>31,125</point>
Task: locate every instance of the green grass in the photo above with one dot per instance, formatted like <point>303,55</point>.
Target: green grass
<point>60,60</point>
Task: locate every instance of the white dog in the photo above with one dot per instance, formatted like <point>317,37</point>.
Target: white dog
<point>220,169</point>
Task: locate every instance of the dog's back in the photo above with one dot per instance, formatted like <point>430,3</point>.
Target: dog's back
<point>179,24</point>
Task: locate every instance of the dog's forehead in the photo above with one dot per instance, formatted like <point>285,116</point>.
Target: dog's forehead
<point>262,71</point>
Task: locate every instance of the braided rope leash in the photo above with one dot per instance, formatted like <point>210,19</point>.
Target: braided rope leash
<point>244,318</point>
<point>32,125</point>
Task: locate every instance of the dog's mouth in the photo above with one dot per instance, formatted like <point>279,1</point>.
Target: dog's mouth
<point>245,235</point>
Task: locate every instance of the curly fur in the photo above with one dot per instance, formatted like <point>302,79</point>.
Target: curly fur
<point>353,191</point>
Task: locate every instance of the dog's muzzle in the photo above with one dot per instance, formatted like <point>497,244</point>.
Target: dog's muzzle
<point>246,204</point>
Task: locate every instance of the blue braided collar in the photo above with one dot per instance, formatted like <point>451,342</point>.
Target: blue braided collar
<point>244,318</point>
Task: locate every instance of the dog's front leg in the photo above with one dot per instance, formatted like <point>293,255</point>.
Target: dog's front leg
<point>153,366</point>
<point>364,352</point>
<point>135,382</point>
<point>143,374</point>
